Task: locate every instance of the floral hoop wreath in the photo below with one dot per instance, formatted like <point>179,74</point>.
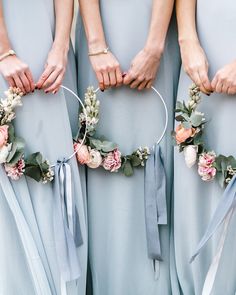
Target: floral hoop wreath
<point>12,148</point>
<point>98,152</point>
<point>188,137</point>
<point>90,150</point>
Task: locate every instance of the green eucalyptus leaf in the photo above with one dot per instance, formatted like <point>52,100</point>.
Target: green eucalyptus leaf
<point>187,125</point>
<point>127,168</point>
<point>17,156</point>
<point>33,172</point>
<point>135,160</point>
<point>11,133</point>
<point>108,146</point>
<point>196,120</point>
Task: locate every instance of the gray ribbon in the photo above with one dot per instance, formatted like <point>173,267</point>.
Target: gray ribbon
<point>67,229</point>
<point>226,204</point>
<point>155,202</point>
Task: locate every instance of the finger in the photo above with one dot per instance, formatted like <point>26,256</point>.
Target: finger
<point>219,87</point>
<point>44,77</point>
<point>142,85</point>
<point>214,82</point>
<point>11,82</point>
<point>136,83</point>
<point>112,77</point>
<point>25,82</point>
<point>50,80</point>
<point>56,85</point>
<point>231,91</point>
<point>30,79</point>
<point>225,87</point>
<point>195,78</point>
<point>19,83</point>
<point>106,80</point>
<point>119,78</point>
<point>149,84</point>
<point>100,80</point>
<point>129,78</point>
<point>206,85</point>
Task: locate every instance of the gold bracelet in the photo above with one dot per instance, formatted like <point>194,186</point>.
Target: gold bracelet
<point>9,53</point>
<point>104,51</point>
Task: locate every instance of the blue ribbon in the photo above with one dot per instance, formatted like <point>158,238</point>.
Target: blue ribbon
<point>155,202</point>
<point>67,229</point>
<point>226,204</point>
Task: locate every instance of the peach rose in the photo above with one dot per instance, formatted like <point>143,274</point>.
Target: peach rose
<point>183,134</point>
<point>3,135</point>
<point>82,154</point>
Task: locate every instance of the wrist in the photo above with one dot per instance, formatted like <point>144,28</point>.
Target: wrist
<point>154,51</point>
<point>61,47</point>
<point>186,40</point>
<point>96,44</point>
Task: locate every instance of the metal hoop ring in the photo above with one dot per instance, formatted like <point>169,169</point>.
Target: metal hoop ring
<point>166,113</point>
<point>86,118</point>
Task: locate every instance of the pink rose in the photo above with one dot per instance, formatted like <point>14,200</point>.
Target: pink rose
<point>16,171</point>
<point>183,134</point>
<point>95,159</point>
<point>82,154</point>
<point>3,135</point>
<point>112,161</point>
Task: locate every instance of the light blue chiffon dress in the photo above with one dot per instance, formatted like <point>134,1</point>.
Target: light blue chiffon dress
<point>28,257</point>
<point>116,212</point>
<point>196,201</point>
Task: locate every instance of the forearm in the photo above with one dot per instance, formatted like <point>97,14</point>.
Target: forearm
<point>186,18</point>
<point>161,15</point>
<point>64,15</point>
<point>4,41</point>
<point>90,12</point>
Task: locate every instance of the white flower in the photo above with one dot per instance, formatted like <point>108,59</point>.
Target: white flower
<point>95,159</point>
<point>4,152</point>
<point>190,155</point>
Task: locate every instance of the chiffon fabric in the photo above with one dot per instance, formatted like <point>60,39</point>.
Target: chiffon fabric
<point>116,213</point>
<point>28,259</point>
<point>195,201</point>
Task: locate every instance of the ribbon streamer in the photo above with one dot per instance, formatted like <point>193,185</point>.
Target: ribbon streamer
<point>223,214</point>
<point>66,223</point>
<point>155,204</point>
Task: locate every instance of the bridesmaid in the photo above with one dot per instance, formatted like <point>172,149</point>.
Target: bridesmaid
<point>135,32</point>
<point>196,201</point>
<point>39,33</point>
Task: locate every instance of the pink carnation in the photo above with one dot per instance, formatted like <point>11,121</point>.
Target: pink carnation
<point>205,166</point>
<point>112,161</point>
<point>16,171</point>
<point>3,135</point>
<point>207,159</point>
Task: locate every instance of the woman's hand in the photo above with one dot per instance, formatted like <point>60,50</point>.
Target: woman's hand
<point>225,80</point>
<point>107,70</point>
<point>54,71</point>
<point>17,74</point>
<point>195,64</point>
<point>143,70</point>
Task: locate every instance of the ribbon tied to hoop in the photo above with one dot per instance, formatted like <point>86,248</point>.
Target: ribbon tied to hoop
<point>67,230</point>
<point>155,203</point>
<point>222,215</point>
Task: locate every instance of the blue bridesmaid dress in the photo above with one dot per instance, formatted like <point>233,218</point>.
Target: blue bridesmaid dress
<point>116,212</point>
<point>29,262</point>
<point>195,201</point>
